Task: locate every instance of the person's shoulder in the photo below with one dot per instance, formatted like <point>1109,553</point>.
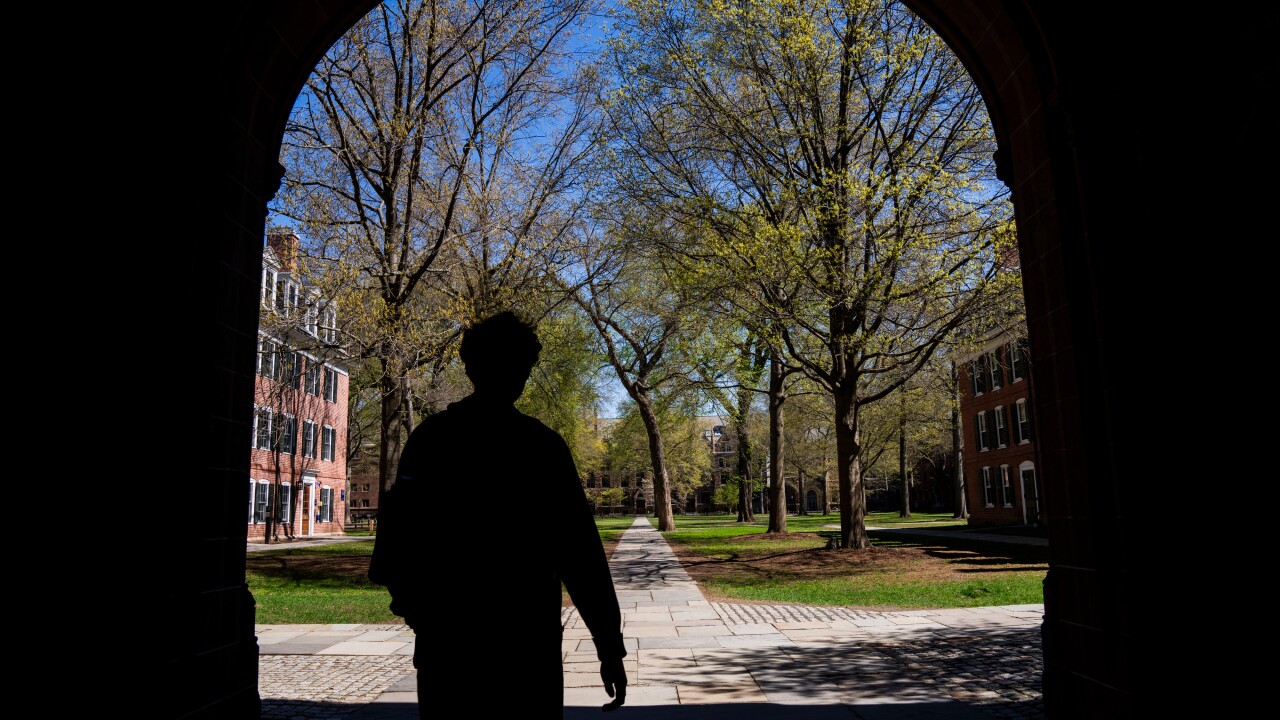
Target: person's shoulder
<point>433,425</point>
<point>537,428</point>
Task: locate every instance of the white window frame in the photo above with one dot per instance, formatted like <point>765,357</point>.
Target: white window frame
<point>986,487</point>
<point>258,433</point>
<point>1022,420</point>
<point>293,436</point>
<point>253,490</point>
<point>330,384</point>
<point>326,508</point>
<point>1002,430</point>
<point>311,381</point>
<point>267,358</point>
<point>284,503</point>
<point>1006,487</point>
<point>984,438</point>
<point>995,373</point>
<point>328,443</point>
<point>1028,513</point>
<point>263,487</point>
<point>309,438</point>
<point>329,325</point>
<point>1017,357</point>
<point>268,288</point>
<point>310,320</point>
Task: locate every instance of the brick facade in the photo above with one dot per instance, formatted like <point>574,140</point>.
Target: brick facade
<point>1002,485</point>
<point>297,485</point>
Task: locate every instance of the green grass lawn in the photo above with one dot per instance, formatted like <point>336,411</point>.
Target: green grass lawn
<point>739,561</point>
<point>732,562</point>
<point>322,584</point>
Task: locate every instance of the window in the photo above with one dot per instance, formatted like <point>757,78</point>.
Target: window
<point>1006,486</point>
<point>1030,494</point>
<point>267,359</point>
<point>986,487</point>
<point>1002,430</point>
<point>261,501</point>
<point>288,434</point>
<point>1018,360</point>
<point>308,438</point>
<point>325,513</point>
<point>331,385</point>
<point>980,430</point>
<point>1022,418</point>
<point>312,384</point>
<point>310,320</point>
<point>328,440</point>
<point>288,369</point>
<point>978,375</point>
<point>262,428</point>
<point>995,369</point>
<point>286,297</point>
<point>329,326</point>
<point>268,287</point>
<point>284,506</point>
<point>252,498</point>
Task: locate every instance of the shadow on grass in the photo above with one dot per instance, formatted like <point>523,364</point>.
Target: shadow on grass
<point>327,570</point>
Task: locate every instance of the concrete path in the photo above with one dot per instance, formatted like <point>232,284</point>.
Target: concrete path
<point>690,658</point>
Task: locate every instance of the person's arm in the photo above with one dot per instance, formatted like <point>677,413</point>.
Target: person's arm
<point>584,569</point>
<point>392,563</point>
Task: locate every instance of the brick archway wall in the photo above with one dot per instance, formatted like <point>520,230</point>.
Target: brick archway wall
<point>1052,81</point>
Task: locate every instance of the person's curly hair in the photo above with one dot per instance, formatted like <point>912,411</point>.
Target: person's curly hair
<point>501,341</point>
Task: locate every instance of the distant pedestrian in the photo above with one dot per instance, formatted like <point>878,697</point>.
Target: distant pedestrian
<point>483,592</point>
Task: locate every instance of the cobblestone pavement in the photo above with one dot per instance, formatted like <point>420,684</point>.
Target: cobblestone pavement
<point>998,671</point>
<point>306,687</point>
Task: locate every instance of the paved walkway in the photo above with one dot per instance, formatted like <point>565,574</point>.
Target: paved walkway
<point>690,658</point>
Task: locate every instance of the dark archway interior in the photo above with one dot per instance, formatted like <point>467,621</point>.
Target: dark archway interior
<point>1122,146</point>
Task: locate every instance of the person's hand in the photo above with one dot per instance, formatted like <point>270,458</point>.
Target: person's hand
<point>615,682</point>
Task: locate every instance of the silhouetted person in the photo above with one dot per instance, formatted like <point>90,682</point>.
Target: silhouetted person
<point>481,588</point>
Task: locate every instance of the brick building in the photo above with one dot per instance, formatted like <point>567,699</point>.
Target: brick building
<point>298,447</point>
<point>1002,486</point>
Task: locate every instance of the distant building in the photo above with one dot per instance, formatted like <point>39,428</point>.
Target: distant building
<point>298,447</point>
<point>1002,486</point>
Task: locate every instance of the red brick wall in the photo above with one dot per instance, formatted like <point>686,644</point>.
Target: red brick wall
<point>265,464</point>
<point>1013,454</point>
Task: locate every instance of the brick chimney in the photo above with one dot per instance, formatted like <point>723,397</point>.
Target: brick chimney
<point>285,245</point>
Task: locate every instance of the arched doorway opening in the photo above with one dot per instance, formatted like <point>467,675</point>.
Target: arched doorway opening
<point>1055,80</point>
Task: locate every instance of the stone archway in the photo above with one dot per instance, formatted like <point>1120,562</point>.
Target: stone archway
<point>1069,87</point>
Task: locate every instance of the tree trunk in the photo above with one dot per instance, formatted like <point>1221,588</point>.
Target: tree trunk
<point>392,428</point>
<point>777,483</point>
<point>957,446</point>
<point>745,513</point>
<point>661,488</point>
<point>853,499</point>
<point>902,464</point>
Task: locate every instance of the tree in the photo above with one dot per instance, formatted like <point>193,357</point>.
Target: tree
<point>810,443</point>
<point>845,142</point>
<point>430,164</point>
<point>643,321</point>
